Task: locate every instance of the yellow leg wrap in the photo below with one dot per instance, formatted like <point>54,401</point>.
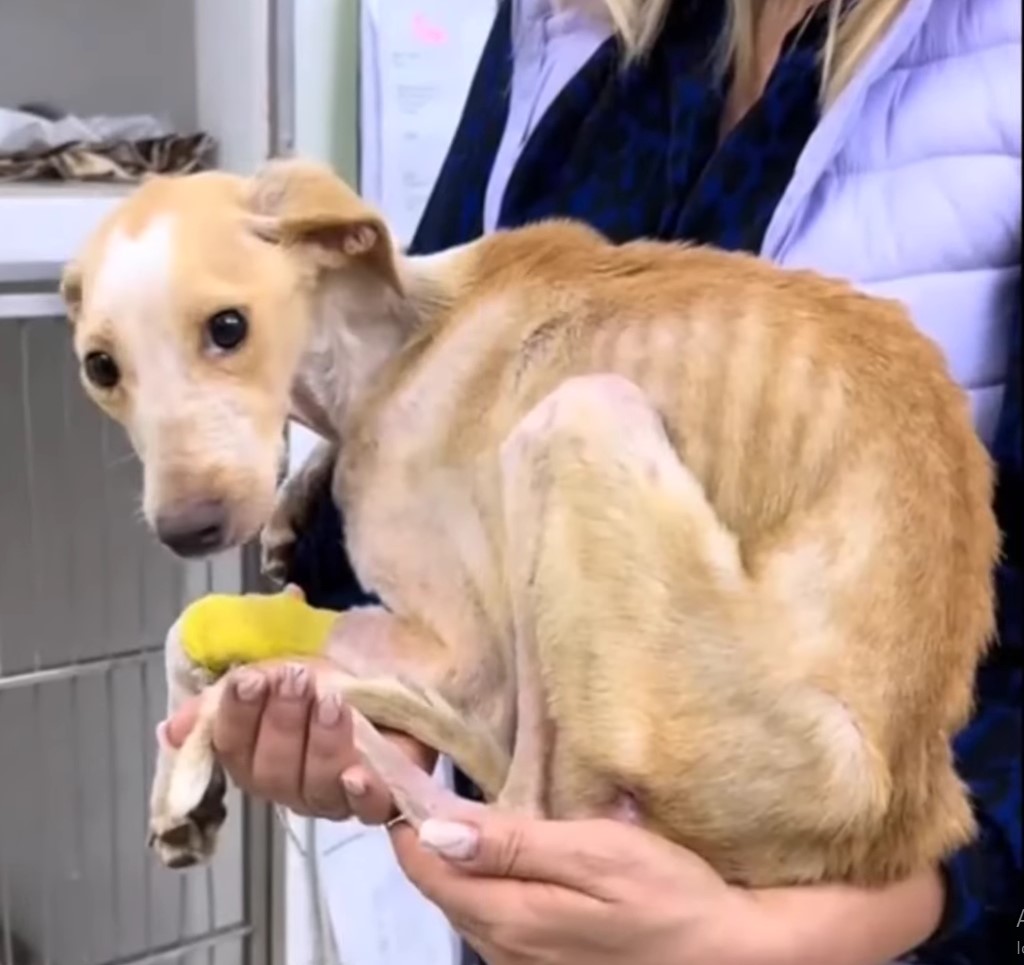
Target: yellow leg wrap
<point>222,630</point>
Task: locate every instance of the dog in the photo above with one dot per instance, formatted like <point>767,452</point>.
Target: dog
<point>659,530</point>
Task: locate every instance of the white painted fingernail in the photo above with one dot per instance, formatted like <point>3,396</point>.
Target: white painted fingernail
<point>294,682</point>
<point>459,842</point>
<point>328,711</point>
<point>250,685</point>
<point>355,784</point>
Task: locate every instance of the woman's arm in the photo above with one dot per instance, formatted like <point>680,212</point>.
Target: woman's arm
<point>852,926</point>
<point>606,892</point>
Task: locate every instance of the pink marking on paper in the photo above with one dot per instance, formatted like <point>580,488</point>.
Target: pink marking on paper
<point>426,32</point>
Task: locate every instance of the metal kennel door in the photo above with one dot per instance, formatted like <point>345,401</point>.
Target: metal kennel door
<point>86,596</point>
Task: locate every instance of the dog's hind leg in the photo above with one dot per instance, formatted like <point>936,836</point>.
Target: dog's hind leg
<point>582,476</point>
<point>647,687</point>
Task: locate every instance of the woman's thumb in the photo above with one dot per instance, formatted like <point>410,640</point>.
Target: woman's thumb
<point>178,726</point>
<point>507,846</point>
<point>450,839</point>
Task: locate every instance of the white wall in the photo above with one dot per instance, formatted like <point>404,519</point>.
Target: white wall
<point>232,77</point>
<point>100,56</point>
<point>325,81</point>
<point>197,64</point>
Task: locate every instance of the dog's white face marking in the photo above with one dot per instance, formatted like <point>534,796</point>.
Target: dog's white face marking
<point>134,276</point>
<point>132,297</point>
<point>133,293</point>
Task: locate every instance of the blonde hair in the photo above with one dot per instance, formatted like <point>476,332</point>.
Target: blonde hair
<point>851,36</point>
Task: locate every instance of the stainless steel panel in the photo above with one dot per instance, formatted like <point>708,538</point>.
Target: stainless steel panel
<point>86,596</point>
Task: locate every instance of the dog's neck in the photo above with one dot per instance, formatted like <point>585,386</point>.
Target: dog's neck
<point>359,326</point>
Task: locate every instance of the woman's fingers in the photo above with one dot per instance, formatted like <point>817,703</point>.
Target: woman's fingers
<point>277,740</point>
<point>369,797</point>
<point>237,725</point>
<point>279,751</point>
<point>329,751</point>
<point>336,782</point>
<point>176,728</point>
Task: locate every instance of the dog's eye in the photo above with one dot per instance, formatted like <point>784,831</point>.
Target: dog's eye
<point>101,370</point>
<point>226,330</point>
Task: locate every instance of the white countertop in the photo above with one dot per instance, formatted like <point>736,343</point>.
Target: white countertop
<point>42,225</point>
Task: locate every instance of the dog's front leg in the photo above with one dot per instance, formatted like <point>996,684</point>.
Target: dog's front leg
<point>383,669</point>
<point>186,806</point>
<point>291,510</point>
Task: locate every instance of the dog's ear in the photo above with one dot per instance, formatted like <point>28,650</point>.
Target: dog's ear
<point>299,203</point>
<point>71,290</point>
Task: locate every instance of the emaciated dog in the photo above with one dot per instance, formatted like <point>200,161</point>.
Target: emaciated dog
<point>655,527</point>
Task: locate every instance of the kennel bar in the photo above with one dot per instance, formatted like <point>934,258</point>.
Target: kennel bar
<point>86,596</point>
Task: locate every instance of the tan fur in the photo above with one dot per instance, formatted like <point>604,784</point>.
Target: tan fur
<point>667,524</point>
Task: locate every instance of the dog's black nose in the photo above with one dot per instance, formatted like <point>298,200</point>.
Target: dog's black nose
<point>193,529</point>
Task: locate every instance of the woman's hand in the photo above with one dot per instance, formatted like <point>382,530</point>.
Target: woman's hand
<point>277,741</point>
<point>562,893</point>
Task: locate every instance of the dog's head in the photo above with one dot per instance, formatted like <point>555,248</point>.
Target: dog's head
<point>192,307</point>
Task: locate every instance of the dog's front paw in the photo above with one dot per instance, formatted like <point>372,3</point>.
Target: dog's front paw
<point>183,840</point>
<point>291,511</point>
<point>279,535</point>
